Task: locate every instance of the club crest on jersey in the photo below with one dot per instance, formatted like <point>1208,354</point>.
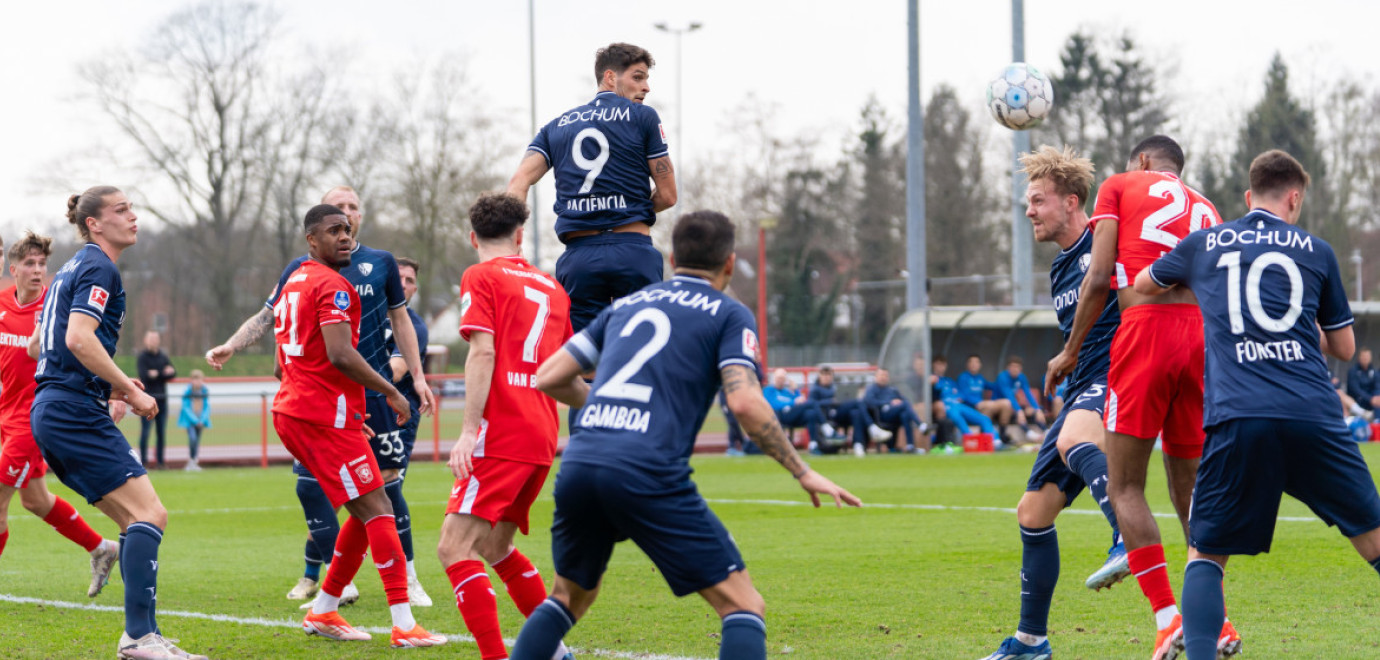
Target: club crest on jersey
<point>749,343</point>
<point>366,268</point>
<point>98,298</point>
<point>342,300</point>
<point>365,474</point>
<point>1084,262</point>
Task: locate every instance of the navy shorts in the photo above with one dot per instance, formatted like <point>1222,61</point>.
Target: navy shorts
<point>1049,468</point>
<point>392,444</point>
<point>596,270</point>
<point>598,506</point>
<point>1248,463</point>
<point>83,447</point>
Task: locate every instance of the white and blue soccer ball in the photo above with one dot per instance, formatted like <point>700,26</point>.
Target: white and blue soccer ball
<point>1021,97</point>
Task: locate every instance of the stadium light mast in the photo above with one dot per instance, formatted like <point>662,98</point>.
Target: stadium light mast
<point>1022,265</point>
<point>532,126</point>
<point>917,275</point>
<point>680,99</point>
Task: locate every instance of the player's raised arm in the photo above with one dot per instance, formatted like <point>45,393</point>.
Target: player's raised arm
<point>744,395</point>
<point>1092,299</point>
<point>344,357</point>
<point>664,176</point>
<point>479,371</point>
<point>559,377</point>
<point>532,168</point>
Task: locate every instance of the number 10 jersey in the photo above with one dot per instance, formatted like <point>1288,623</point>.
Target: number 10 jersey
<point>599,152</point>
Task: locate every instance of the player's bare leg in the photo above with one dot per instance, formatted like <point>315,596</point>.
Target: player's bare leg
<point>1182,474</point>
<point>548,624</point>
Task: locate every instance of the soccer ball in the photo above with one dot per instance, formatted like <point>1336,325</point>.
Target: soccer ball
<point>1021,97</point>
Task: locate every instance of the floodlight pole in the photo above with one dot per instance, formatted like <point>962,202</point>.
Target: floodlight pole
<point>917,291</point>
<point>680,100</point>
<point>1022,266</point>
<point>532,122</point>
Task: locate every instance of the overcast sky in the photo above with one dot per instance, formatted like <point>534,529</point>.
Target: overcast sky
<point>817,61</point>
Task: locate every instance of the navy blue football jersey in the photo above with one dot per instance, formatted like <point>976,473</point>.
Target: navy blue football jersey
<point>1264,286</point>
<point>659,353</point>
<point>90,284</point>
<point>1065,281</point>
<point>374,274</point>
<point>599,152</point>
<point>405,384</point>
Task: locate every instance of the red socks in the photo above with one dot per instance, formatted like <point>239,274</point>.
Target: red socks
<point>4,536</point>
<point>474,595</point>
<point>70,524</point>
<point>522,580</point>
<point>350,546</point>
<point>1148,565</point>
<point>387,549</point>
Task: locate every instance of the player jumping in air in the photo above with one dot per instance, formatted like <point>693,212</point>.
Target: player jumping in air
<point>21,463</point>
<point>1266,288</point>
<point>664,351</point>
<point>1155,381</point>
<point>514,317</point>
<point>319,414</point>
<point>1071,457</point>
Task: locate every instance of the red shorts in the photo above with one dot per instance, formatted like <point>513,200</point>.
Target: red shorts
<point>498,491</point>
<point>1155,384</point>
<point>340,459</point>
<point>20,460</point>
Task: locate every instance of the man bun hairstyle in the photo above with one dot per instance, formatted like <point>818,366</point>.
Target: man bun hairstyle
<point>497,215</point>
<point>702,240</point>
<point>87,205</point>
<point>1161,147</point>
<point>317,214</point>
<point>30,243</point>
<point>618,57</point>
<point>1275,172</point>
<point>1070,173</point>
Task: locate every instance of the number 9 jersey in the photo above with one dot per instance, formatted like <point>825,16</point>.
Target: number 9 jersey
<point>599,152</point>
<point>313,390</point>
<point>1153,212</point>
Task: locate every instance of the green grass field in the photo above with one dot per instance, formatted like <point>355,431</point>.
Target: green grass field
<point>928,570</point>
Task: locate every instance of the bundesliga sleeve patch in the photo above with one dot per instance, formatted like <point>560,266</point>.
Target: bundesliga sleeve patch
<point>342,300</point>
<point>98,298</point>
<point>662,128</point>
<point>749,343</point>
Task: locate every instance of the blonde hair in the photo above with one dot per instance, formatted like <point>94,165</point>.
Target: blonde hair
<point>1070,173</point>
<point>339,189</point>
<point>196,373</point>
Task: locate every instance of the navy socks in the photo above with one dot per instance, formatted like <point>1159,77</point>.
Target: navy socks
<point>1039,574</point>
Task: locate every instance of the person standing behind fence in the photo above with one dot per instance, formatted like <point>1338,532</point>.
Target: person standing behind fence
<point>155,370</point>
<point>195,416</point>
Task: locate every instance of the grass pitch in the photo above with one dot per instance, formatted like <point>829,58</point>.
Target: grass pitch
<point>928,570</point>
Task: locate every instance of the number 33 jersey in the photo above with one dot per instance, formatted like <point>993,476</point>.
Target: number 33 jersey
<point>528,315</point>
<point>1153,212</point>
<point>659,353</point>
<point>1264,287</point>
<point>313,390</point>
<point>599,152</point>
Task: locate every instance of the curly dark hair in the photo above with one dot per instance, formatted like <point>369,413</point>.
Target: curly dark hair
<point>497,215</point>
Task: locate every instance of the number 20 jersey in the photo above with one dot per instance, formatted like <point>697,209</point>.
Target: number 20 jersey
<point>599,152</point>
<point>1153,212</point>
<point>659,352</point>
<point>528,314</point>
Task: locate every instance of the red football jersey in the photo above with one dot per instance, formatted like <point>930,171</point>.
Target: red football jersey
<point>16,367</point>
<point>1153,211</point>
<point>313,390</point>
<point>528,314</point>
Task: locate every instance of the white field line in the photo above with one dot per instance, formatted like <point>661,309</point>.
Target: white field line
<point>291,623</point>
<point>801,502</point>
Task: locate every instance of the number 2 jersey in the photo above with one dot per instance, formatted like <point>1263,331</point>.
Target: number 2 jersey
<point>1264,286</point>
<point>1153,212</point>
<point>659,352</point>
<point>599,152</point>
<point>313,390</point>
<point>528,314</point>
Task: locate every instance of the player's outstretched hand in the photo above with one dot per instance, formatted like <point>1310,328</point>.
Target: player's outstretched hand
<point>218,356</point>
<point>399,404</point>
<point>462,455</point>
<point>1057,370</point>
<point>817,484</point>
<point>118,410</point>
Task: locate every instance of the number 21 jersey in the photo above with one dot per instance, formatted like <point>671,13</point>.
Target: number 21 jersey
<point>313,390</point>
<point>1153,212</point>
<point>599,152</point>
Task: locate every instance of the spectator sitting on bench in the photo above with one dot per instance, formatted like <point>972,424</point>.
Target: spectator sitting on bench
<point>893,409</point>
<point>793,409</point>
<point>973,386</point>
<point>958,412</point>
<point>1013,386</point>
<point>845,414</point>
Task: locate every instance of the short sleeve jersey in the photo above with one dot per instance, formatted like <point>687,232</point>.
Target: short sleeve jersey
<point>374,275</point>
<point>528,314</point>
<point>90,284</point>
<point>313,390</point>
<point>1153,212</point>
<point>16,367</point>
<point>599,152</point>
<point>405,384</point>
<point>659,352</point>
<point>1066,280</point>
<point>1262,284</point>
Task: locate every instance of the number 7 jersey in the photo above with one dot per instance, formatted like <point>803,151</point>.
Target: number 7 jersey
<point>528,314</point>
<point>1153,212</point>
